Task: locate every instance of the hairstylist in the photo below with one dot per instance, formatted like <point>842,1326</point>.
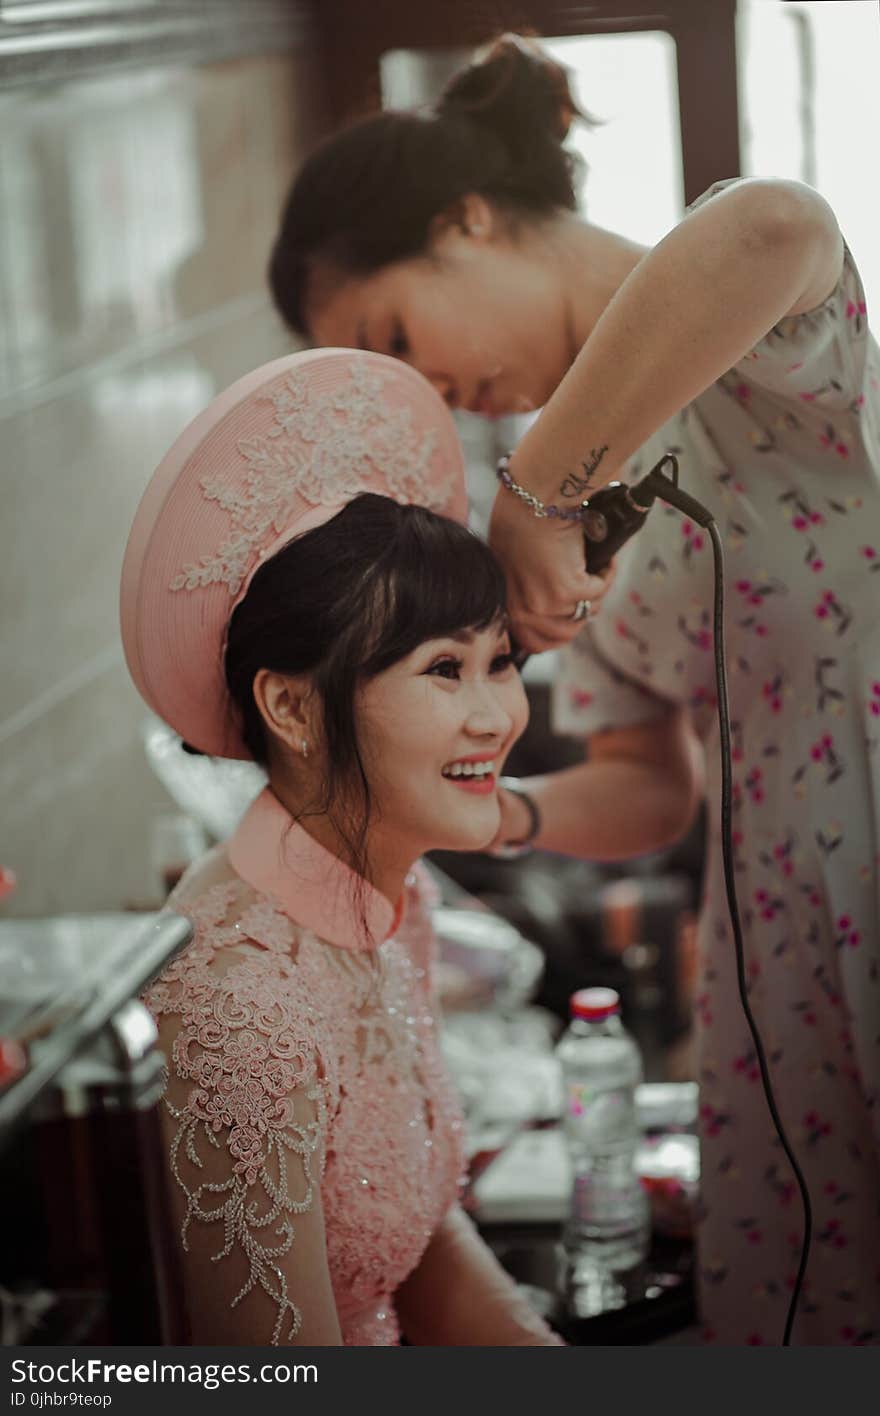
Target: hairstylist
<point>741,343</point>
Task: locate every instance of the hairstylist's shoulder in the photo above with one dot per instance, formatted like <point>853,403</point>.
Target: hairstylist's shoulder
<point>773,210</point>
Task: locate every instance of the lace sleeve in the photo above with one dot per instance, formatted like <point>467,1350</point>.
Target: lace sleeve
<point>247,1106</point>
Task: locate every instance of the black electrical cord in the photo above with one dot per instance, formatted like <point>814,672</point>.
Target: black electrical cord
<point>667,489</point>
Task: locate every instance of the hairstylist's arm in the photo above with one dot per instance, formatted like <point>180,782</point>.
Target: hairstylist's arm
<point>460,1296</point>
<point>691,307</point>
<point>638,792</point>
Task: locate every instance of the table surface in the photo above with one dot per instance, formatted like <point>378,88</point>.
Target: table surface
<point>642,1306</point>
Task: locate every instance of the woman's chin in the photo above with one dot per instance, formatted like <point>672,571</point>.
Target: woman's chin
<point>472,836</point>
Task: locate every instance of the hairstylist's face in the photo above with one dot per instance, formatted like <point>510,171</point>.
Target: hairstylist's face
<point>435,730</point>
<point>481,316</point>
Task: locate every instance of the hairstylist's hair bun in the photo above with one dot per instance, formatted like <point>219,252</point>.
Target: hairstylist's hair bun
<point>522,96</point>
<point>516,90</point>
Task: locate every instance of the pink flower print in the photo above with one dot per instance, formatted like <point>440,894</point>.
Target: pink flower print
<point>847,935</point>
<point>869,554</point>
<point>747,1066</point>
<point>580,697</point>
<point>702,697</point>
<point>693,539</point>
<point>782,856</point>
<point>713,1121</point>
<point>772,692</point>
<point>701,635</point>
<point>807,397</point>
<point>767,907</point>
<point>755,785</point>
<point>874,700</point>
<point>702,1003</point>
<point>816,1128</point>
<point>754,1339</point>
<point>625,631</point>
<point>743,392</point>
<point>855,309</point>
<point>834,614</point>
<point>832,1234</point>
<point>786,1191</point>
<point>793,368</point>
<point>832,439</point>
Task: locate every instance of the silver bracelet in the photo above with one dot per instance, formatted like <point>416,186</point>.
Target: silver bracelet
<point>535,505</point>
<point>512,850</point>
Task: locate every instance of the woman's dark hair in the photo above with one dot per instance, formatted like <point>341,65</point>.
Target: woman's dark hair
<point>344,602</point>
<point>367,196</point>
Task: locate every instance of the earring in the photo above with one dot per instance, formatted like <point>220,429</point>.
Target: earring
<point>305,748</point>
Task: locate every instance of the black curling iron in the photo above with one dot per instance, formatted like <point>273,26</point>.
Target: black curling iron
<point>616,511</point>
<point>613,514</point>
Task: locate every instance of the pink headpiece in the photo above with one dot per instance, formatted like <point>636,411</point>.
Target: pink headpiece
<point>278,453</point>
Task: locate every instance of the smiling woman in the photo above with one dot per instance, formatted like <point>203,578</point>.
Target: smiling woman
<point>299,588</point>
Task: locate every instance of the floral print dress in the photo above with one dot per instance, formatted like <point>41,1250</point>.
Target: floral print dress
<point>785,451</point>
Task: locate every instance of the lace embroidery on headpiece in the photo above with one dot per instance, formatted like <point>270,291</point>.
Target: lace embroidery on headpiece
<point>323,448</point>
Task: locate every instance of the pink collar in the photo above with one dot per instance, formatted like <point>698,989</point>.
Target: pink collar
<point>280,859</point>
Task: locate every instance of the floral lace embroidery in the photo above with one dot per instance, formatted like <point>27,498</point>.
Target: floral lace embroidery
<point>323,449</point>
<point>306,1065</point>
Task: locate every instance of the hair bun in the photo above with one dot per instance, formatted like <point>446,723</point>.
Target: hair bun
<point>518,92</point>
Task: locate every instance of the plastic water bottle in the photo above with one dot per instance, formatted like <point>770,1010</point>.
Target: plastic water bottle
<point>608,1224</point>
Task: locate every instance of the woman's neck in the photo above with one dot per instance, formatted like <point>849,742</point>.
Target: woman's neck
<point>592,264</point>
<point>389,867</point>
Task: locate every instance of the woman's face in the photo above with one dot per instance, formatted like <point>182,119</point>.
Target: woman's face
<point>482,318</point>
<point>435,730</point>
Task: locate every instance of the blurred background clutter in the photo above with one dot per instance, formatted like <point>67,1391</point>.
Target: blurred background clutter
<point>145,149</point>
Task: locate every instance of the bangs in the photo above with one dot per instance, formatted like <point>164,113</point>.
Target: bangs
<point>436,579</point>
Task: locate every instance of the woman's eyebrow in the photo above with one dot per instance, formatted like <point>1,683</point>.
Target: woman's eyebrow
<point>467,636</point>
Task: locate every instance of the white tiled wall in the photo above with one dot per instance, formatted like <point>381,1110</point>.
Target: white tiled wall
<point>136,215</point>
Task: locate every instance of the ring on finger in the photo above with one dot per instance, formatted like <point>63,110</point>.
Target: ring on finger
<point>581,610</point>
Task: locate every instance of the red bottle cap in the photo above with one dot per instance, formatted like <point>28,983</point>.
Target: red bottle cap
<point>594,1004</point>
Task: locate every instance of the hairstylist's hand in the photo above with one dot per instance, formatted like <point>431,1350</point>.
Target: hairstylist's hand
<point>543,562</point>
<point>515,821</point>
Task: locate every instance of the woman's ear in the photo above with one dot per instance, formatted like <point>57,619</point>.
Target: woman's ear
<point>471,216</point>
<point>286,703</point>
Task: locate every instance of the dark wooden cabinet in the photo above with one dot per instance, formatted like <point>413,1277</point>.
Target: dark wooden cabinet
<point>352,38</point>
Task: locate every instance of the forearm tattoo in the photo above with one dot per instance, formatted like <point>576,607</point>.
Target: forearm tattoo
<point>575,483</point>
